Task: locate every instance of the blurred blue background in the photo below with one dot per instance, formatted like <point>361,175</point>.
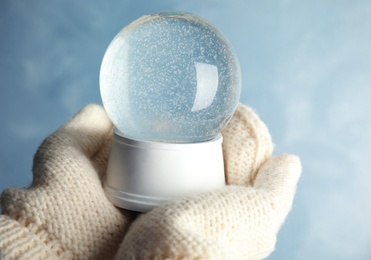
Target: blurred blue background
<point>306,69</point>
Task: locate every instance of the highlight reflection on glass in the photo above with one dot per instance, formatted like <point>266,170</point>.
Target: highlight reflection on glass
<point>170,77</point>
<point>207,85</point>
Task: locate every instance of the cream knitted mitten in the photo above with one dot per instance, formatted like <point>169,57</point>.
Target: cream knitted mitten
<point>239,221</point>
<point>65,213</point>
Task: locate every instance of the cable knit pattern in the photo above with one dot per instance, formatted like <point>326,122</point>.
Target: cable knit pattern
<point>64,214</point>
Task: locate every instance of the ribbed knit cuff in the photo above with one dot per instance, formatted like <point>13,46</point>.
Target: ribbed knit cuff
<point>17,242</point>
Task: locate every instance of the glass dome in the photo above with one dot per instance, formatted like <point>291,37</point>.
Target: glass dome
<point>170,77</point>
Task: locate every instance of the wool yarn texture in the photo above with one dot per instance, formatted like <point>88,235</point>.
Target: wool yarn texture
<point>64,213</point>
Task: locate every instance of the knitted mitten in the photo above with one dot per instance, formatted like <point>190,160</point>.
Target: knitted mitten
<point>239,221</point>
<point>65,212</point>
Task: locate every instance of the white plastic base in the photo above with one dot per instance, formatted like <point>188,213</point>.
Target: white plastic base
<point>142,175</point>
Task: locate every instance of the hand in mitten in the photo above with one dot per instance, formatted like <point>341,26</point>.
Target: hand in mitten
<point>239,221</point>
<point>65,212</point>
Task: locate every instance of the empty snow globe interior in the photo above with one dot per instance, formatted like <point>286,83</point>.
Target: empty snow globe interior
<point>170,77</point>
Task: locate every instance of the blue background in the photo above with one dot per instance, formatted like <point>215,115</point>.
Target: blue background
<point>306,69</point>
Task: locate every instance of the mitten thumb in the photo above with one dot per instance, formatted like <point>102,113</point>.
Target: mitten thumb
<point>279,177</point>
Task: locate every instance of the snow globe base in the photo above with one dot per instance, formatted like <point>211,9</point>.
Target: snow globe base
<point>144,174</point>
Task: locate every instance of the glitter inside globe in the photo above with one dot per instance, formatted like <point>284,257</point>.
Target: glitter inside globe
<point>170,77</point>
